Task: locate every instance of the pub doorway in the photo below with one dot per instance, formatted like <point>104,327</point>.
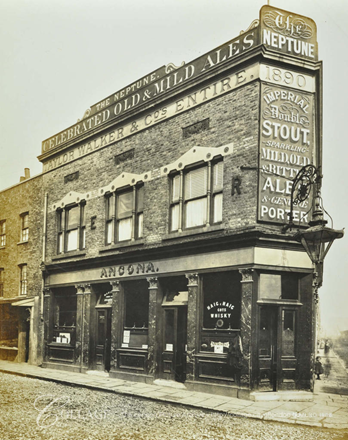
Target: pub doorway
<point>174,343</point>
<point>103,310</point>
<point>277,348</point>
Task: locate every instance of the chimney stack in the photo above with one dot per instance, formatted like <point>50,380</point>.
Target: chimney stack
<point>26,175</point>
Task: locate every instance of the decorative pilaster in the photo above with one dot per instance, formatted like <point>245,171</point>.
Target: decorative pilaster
<point>192,324</point>
<point>86,326</point>
<point>80,289</point>
<point>48,319</point>
<point>116,320</point>
<point>153,343</point>
<point>245,326</point>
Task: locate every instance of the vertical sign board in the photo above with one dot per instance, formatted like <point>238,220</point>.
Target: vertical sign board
<point>287,137</point>
<point>287,118</point>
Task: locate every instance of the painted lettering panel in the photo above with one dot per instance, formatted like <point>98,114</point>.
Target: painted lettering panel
<point>288,33</point>
<point>201,95</point>
<point>286,145</point>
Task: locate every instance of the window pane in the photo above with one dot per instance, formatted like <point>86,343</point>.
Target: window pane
<point>140,225</point>
<point>175,188</point>
<point>270,286</point>
<point>25,221</point>
<point>196,213</point>
<point>2,240</point>
<point>73,217</point>
<point>289,286</point>
<point>174,218</point>
<point>25,234</point>
<point>83,238</point>
<point>140,199</point>
<point>2,227</point>
<point>125,229</point>
<point>288,336</point>
<point>24,287</point>
<point>60,243</point>
<point>59,220</point>
<point>218,170</point>
<point>124,204</point>
<point>196,183</point>
<point>109,208</point>
<point>217,208</point>
<point>71,240</point>
<point>109,232</point>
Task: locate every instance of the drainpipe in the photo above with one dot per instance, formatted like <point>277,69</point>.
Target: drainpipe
<point>43,256</point>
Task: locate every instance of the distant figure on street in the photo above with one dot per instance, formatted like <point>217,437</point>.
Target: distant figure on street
<point>318,368</point>
<point>327,347</point>
<point>327,367</point>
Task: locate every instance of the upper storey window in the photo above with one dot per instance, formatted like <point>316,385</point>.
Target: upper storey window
<point>71,228</point>
<point>124,215</point>
<point>23,281</point>
<point>196,197</point>
<point>2,233</point>
<point>25,226</point>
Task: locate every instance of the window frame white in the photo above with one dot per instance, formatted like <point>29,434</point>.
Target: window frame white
<point>179,200</point>
<point>24,227</point>
<point>2,233</point>
<point>66,230</point>
<point>134,215</point>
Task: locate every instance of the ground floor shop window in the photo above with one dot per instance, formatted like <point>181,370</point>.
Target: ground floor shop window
<point>136,319</point>
<point>221,293</point>
<point>64,319</point>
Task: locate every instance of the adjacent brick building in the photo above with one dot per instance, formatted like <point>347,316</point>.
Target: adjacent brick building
<point>21,220</point>
<point>165,256</point>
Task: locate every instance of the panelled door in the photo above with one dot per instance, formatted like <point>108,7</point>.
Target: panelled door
<point>103,340</point>
<point>277,348</point>
<point>174,343</point>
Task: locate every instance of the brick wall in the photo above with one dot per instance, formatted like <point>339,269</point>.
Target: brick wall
<point>23,197</point>
<point>233,118</point>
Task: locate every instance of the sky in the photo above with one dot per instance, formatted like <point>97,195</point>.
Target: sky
<point>59,57</point>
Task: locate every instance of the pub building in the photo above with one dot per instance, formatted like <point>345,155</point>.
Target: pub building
<point>164,251</point>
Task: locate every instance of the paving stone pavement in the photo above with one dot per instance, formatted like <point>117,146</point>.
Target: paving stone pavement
<point>328,410</point>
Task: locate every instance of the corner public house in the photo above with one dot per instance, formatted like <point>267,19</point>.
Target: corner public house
<point>164,252</point>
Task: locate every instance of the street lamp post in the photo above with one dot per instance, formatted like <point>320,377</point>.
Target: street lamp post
<point>318,238</point>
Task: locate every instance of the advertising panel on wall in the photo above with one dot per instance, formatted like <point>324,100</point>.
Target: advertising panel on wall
<point>286,145</point>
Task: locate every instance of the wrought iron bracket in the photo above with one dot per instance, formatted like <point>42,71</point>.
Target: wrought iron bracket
<point>301,189</point>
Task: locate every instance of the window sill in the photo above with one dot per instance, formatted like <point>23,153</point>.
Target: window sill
<point>194,231</point>
<point>22,242</point>
<point>71,254</point>
<point>2,247</point>
<point>125,244</point>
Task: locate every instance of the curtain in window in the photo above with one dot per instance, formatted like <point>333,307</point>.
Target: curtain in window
<point>71,242</point>
<point>196,213</point>
<point>124,205</point>
<point>217,208</point>
<point>196,183</point>
<point>125,229</point>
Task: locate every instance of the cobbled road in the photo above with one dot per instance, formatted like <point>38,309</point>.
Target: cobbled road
<point>31,409</point>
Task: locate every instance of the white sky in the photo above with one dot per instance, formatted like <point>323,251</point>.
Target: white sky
<point>59,57</point>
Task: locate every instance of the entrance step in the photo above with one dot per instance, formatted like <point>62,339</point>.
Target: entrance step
<point>98,373</point>
<point>282,396</point>
<point>169,383</point>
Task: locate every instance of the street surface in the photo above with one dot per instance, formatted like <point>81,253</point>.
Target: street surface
<point>33,409</point>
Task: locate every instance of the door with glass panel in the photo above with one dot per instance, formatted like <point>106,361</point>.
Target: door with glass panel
<point>103,341</point>
<point>277,348</point>
<point>174,343</point>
